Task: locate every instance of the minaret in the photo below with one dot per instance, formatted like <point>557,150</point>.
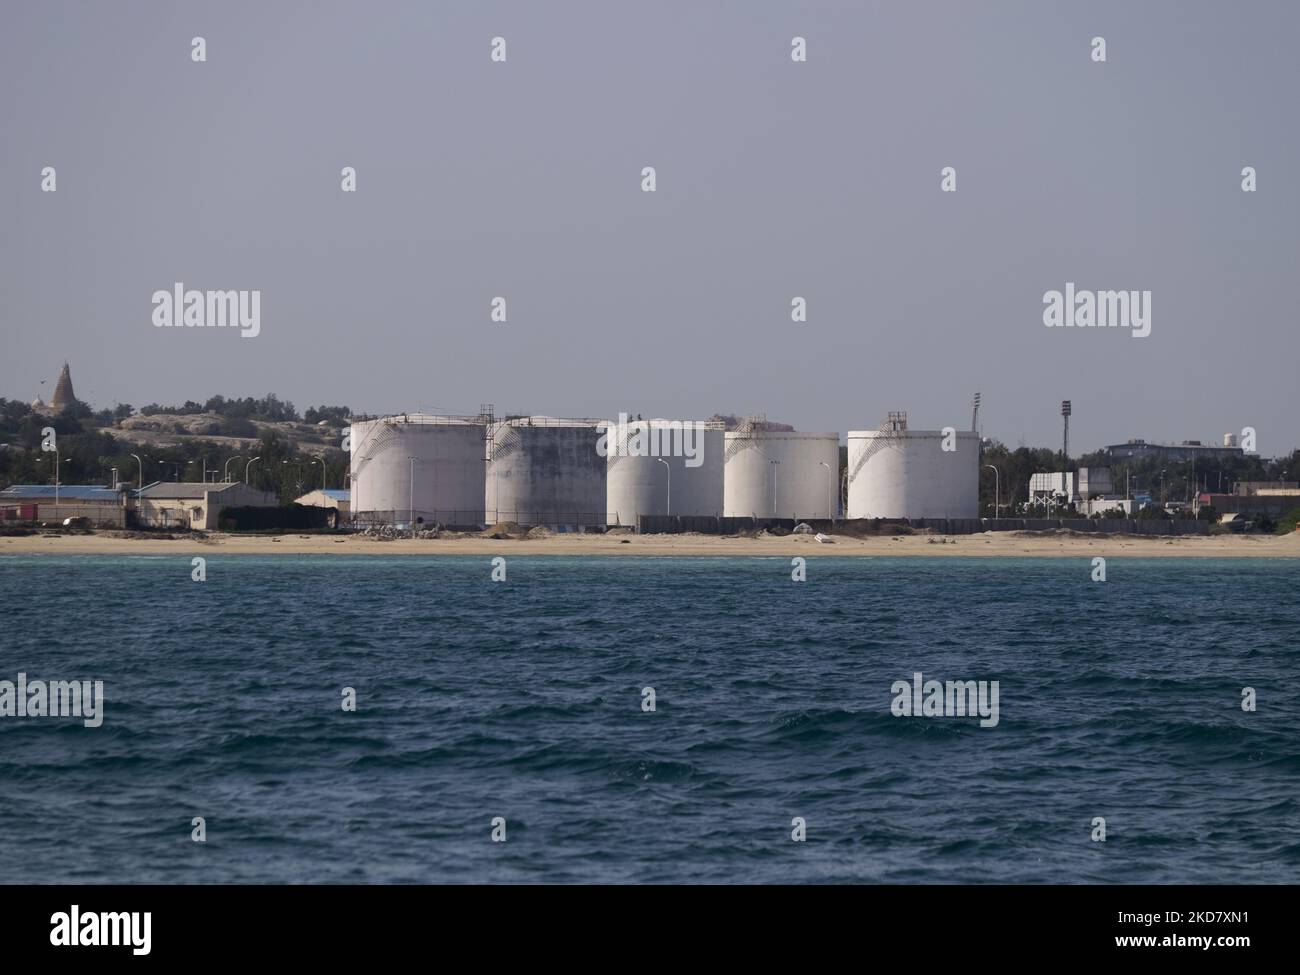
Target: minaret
<point>63,394</point>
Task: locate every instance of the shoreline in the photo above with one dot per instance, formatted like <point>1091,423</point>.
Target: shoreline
<point>989,545</point>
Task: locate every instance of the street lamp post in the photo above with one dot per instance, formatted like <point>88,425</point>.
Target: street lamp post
<point>321,461</point>
<point>670,483</point>
<point>830,477</point>
<point>140,485</point>
<point>225,472</point>
<point>410,495</point>
<point>248,465</point>
<point>997,491</point>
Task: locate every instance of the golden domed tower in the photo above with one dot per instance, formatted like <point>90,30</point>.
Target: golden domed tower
<point>63,394</point>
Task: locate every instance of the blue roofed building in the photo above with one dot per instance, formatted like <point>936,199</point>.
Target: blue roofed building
<point>102,506</point>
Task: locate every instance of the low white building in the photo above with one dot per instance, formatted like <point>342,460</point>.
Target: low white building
<point>338,498</point>
<point>181,504</point>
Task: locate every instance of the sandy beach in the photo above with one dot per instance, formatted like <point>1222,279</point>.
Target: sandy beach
<point>999,545</point>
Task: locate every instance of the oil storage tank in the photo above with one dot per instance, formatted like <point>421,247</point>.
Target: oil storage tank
<point>780,473</point>
<point>662,467</point>
<point>417,466</point>
<point>544,470</point>
<point>895,472</point>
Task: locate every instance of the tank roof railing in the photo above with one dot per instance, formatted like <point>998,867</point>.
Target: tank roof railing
<point>552,421</point>
<point>445,419</point>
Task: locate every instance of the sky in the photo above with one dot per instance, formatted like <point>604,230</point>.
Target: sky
<point>775,179</point>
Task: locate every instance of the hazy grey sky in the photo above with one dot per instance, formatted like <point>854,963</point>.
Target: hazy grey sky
<point>775,179</point>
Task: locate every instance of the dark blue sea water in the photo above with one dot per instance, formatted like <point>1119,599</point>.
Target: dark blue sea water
<point>523,700</point>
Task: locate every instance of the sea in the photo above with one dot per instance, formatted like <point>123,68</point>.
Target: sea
<point>651,720</point>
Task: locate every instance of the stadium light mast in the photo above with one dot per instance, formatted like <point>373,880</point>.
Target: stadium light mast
<point>1065,442</point>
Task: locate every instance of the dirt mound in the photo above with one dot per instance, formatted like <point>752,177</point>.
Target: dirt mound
<point>502,530</point>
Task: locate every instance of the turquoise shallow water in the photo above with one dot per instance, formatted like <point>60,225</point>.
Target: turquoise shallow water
<point>523,700</point>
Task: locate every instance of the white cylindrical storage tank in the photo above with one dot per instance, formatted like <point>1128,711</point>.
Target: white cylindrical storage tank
<point>895,472</point>
<point>546,471</point>
<point>419,466</point>
<point>781,474</point>
<point>639,484</point>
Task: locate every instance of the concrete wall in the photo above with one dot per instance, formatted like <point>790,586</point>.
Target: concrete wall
<point>652,524</point>
<point>172,513</point>
<point>1269,505</point>
<point>100,514</point>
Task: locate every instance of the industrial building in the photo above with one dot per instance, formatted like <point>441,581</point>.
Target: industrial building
<point>1083,484</point>
<point>780,474</point>
<point>663,467</point>
<point>420,468</point>
<point>196,505</point>
<point>544,470</point>
<point>896,472</point>
<point>1269,499</point>
<point>1187,450</point>
<point>102,507</point>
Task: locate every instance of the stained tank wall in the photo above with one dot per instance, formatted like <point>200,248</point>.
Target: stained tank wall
<point>803,488</point>
<point>545,471</point>
<point>913,477</point>
<point>449,470</point>
<point>639,485</point>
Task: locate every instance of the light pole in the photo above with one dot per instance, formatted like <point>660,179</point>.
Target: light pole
<point>410,495</point>
<point>140,485</point>
<point>997,491</point>
<point>248,465</point>
<point>225,472</point>
<point>670,483</point>
<point>321,461</point>
<point>830,477</point>
<point>1163,499</point>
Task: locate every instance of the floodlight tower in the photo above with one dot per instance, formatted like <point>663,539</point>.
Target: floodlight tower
<point>1065,442</point>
